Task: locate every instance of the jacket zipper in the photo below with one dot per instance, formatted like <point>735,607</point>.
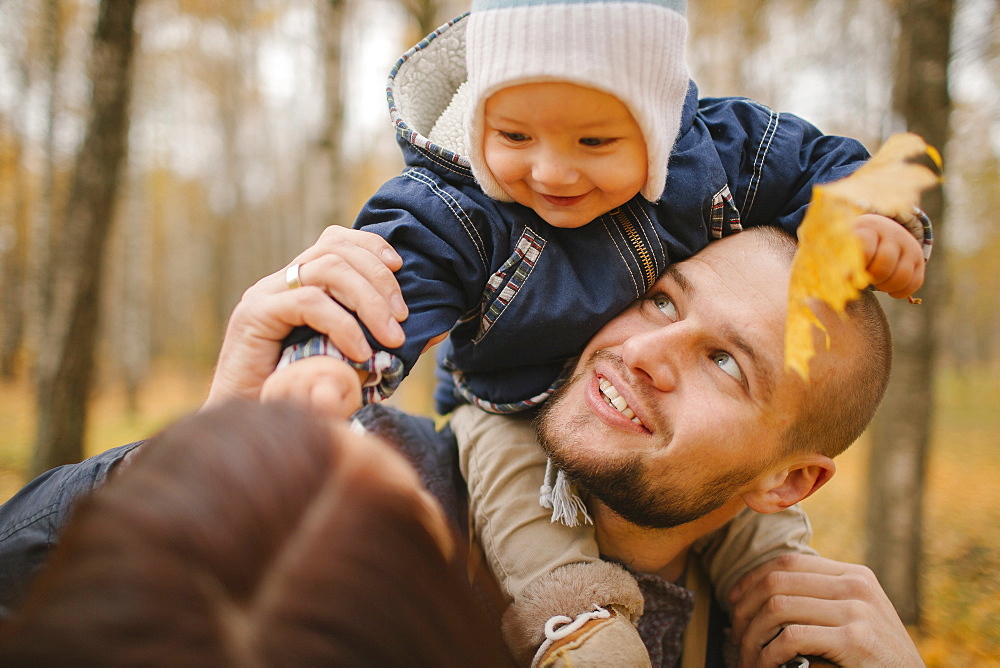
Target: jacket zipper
<point>646,263</point>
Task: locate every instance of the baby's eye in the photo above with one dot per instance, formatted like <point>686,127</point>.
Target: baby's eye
<point>514,136</point>
<point>595,141</point>
<point>665,305</point>
<point>726,362</point>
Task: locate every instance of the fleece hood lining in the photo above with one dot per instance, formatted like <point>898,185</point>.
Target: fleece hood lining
<point>424,81</point>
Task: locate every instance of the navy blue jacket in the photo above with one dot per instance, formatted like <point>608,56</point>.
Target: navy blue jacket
<point>521,297</point>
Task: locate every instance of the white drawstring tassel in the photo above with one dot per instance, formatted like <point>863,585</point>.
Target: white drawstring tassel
<point>557,494</point>
<point>566,627</point>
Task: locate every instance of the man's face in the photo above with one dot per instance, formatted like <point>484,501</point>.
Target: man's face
<point>680,402</point>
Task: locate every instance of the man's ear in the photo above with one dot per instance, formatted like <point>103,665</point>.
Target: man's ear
<point>787,486</point>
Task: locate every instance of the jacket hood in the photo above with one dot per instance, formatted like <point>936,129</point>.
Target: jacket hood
<point>422,84</point>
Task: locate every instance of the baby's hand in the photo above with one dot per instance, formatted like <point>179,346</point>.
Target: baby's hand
<point>326,385</point>
<point>893,257</point>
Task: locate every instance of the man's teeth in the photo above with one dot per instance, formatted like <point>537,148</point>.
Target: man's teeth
<point>612,396</point>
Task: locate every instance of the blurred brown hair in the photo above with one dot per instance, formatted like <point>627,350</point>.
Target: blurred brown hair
<point>253,535</point>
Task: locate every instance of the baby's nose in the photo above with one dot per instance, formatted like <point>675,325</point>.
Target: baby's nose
<point>554,170</point>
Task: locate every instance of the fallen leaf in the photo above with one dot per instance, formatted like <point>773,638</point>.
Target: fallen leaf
<point>829,264</point>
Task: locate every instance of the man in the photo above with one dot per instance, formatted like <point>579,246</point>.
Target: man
<point>722,427</point>
<point>710,423</point>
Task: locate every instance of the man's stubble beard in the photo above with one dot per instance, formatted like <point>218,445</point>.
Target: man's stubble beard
<point>622,481</point>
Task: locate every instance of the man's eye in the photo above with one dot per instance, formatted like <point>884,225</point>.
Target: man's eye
<point>514,136</point>
<point>663,303</point>
<point>726,362</point>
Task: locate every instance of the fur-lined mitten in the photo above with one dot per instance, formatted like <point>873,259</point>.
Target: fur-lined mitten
<point>580,614</point>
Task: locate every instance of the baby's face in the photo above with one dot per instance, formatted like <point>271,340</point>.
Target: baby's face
<point>570,153</point>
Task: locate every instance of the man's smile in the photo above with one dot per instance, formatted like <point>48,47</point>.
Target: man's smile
<point>614,398</point>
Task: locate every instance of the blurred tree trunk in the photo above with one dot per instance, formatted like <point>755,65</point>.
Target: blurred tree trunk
<point>131,295</point>
<point>45,231</point>
<point>901,432</point>
<point>66,361</point>
<point>722,34</point>
<point>237,237</point>
<point>331,144</point>
<point>425,13</point>
<point>13,230</point>
<point>326,182</point>
<point>234,222</point>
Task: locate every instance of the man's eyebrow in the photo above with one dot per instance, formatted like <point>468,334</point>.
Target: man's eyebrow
<point>676,273</point>
<point>764,379</point>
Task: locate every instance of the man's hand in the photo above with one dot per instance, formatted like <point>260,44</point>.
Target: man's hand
<point>805,605</point>
<point>353,267</point>
<point>892,256</point>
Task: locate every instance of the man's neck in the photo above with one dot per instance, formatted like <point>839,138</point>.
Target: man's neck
<point>660,552</point>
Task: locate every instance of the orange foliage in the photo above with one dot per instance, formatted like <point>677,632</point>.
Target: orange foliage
<point>830,264</point>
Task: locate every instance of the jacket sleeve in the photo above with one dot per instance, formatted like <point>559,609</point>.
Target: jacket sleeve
<point>774,159</point>
<point>446,241</point>
<point>32,519</point>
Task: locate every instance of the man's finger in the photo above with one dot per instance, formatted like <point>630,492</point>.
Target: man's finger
<point>788,575</point>
<point>360,293</point>
<point>782,611</point>
<point>364,266</point>
<point>765,600</point>
<point>804,563</point>
<point>797,640</point>
<point>336,239</point>
<point>315,309</point>
<point>373,243</point>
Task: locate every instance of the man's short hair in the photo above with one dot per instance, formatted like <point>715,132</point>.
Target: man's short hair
<point>834,414</point>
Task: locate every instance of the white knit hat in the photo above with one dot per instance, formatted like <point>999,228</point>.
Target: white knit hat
<point>632,49</point>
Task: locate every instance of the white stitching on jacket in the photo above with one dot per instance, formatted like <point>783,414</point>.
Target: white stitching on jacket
<point>456,209</point>
<point>758,162</point>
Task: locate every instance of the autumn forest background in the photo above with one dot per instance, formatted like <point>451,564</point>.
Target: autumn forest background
<point>159,156</point>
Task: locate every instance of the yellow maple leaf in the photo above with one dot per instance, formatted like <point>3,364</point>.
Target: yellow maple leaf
<point>829,264</point>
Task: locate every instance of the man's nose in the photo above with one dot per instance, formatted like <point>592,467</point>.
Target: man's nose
<point>657,356</point>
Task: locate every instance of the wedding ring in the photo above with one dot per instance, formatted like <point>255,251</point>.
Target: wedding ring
<point>292,276</point>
